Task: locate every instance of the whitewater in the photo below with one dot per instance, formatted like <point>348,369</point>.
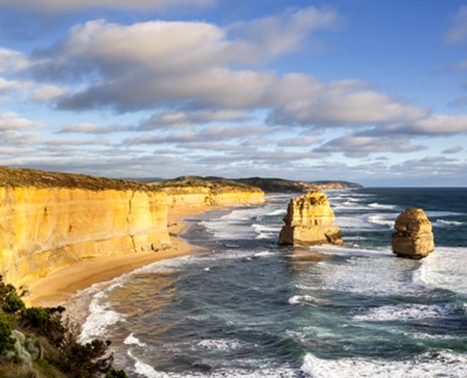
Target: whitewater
<point>253,309</point>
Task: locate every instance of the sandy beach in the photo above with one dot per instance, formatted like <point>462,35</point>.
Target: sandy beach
<point>57,287</point>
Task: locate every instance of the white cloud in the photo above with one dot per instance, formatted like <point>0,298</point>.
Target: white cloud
<point>60,5</point>
<point>458,31</point>
<point>440,124</point>
<point>12,61</point>
<point>89,128</point>
<point>362,146</point>
<point>12,121</point>
<point>182,119</point>
<point>47,92</point>
<point>284,33</point>
<point>8,86</point>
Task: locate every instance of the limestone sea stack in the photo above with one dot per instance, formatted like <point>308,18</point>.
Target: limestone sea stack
<point>413,237</point>
<point>309,221</point>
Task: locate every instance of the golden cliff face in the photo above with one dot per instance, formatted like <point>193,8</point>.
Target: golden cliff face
<point>45,229</point>
<point>199,196</point>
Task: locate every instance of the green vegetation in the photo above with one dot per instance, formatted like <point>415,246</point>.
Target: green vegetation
<point>214,184</point>
<point>36,342</point>
<point>21,177</point>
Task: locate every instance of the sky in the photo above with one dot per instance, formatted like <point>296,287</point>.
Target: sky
<point>369,91</point>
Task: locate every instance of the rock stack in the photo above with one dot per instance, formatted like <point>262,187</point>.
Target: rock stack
<point>309,221</point>
<point>413,237</point>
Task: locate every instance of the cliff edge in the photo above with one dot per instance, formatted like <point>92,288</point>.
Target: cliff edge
<point>51,220</point>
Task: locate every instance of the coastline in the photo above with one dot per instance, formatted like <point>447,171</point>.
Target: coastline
<point>59,286</point>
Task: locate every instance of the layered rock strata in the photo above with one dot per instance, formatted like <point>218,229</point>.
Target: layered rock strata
<point>199,196</point>
<point>413,237</point>
<point>44,230</point>
<point>309,220</point>
<point>51,220</point>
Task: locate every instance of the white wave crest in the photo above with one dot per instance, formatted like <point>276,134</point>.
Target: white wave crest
<point>133,340</point>
<point>444,364</point>
<point>406,312</point>
<point>381,220</point>
<point>441,269</point>
<point>376,205</point>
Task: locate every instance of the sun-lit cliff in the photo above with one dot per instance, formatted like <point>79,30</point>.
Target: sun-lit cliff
<point>52,220</point>
<point>43,230</point>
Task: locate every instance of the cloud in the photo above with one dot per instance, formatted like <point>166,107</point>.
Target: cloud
<point>7,86</point>
<point>59,5</point>
<point>453,150</point>
<point>89,128</point>
<point>362,146</point>
<point>12,61</point>
<point>440,124</point>
<point>458,31</point>
<point>46,92</point>
<point>299,141</point>
<point>280,34</point>
<point>207,134</point>
<point>12,121</point>
<point>183,119</point>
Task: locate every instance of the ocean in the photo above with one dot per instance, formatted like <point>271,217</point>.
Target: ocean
<point>254,309</point>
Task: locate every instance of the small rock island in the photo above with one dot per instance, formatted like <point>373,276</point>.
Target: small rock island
<point>309,221</point>
<point>413,238</point>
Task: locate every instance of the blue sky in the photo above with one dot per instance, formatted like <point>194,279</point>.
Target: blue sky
<point>372,91</point>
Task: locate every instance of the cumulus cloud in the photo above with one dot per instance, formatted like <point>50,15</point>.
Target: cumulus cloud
<point>440,124</point>
<point>47,92</point>
<point>12,61</point>
<point>458,31</point>
<point>280,34</point>
<point>13,121</point>
<point>9,86</point>
<point>183,119</point>
<point>59,5</point>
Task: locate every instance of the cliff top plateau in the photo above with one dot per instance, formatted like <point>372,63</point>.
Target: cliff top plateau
<point>268,185</point>
<point>22,177</point>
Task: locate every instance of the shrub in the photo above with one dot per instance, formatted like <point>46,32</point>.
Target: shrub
<point>6,341</point>
<point>114,373</point>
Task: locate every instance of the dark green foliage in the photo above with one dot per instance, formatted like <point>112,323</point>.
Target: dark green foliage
<point>10,301</point>
<point>60,349</point>
<point>45,321</point>
<point>6,341</point>
<point>114,373</point>
<point>85,361</point>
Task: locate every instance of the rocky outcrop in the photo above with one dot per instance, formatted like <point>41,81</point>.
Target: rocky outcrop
<point>309,220</point>
<point>44,230</point>
<point>413,237</point>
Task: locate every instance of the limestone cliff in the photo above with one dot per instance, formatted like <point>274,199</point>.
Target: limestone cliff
<point>44,230</point>
<point>413,237</point>
<point>309,220</point>
<point>194,191</point>
<point>51,220</point>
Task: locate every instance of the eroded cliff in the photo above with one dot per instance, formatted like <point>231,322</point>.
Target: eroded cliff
<point>44,230</point>
<point>51,220</point>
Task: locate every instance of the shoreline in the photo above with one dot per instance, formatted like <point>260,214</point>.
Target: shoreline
<point>58,287</point>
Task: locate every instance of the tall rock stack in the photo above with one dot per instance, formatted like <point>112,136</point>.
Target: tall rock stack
<point>309,221</point>
<point>413,237</point>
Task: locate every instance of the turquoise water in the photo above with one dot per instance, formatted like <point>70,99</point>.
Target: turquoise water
<point>252,309</point>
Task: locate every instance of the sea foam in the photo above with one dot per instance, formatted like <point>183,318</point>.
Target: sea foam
<point>444,364</point>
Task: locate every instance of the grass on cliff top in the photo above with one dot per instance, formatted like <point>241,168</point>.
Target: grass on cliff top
<point>22,177</point>
<point>215,184</point>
